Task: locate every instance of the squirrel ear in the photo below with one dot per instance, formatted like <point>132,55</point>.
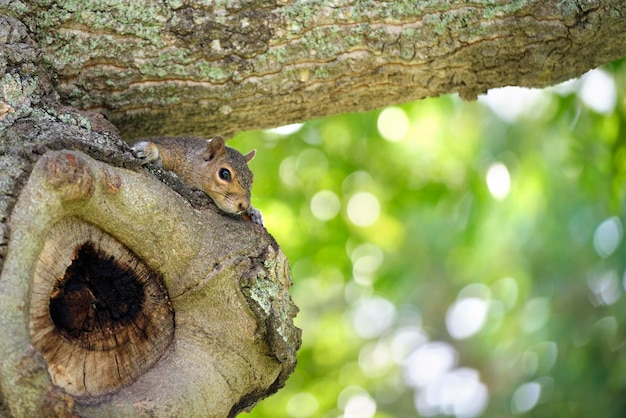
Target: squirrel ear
<point>249,156</point>
<point>214,148</point>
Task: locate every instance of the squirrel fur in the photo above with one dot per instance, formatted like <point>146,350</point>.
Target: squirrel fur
<point>219,171</point>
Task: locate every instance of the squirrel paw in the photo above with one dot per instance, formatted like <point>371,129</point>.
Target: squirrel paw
<point>254,215</point>
<point>146,151</point>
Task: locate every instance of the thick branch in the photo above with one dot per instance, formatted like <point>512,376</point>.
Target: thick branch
<point>188,68</point>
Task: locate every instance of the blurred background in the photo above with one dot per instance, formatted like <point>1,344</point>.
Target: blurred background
<point>452,258</point>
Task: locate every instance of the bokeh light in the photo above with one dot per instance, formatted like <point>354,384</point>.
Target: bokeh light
<point>360,406</point>
<point>607,236</point>
<point>536,314</point>
<point>366,259</point>
<point>598,91</point>
<point>498,180</point>
<point>428,363</point>
<point>466,317</point>
<point>393,124</point>
<point>458,393</point>
<point>452,258</point>
<point>512,103</point>
<point>302,405</point>
<point>287,172</point>
<point>373,316</point>
<point>375,359</point>
<point>356,402</point>
<point>604,285</point>
<point>363,209</point>
<point>325,205</point>
<point>287,129</point>
<point>525,397</point>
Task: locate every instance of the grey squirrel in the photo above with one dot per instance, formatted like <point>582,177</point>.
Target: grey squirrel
<point>219,171</point>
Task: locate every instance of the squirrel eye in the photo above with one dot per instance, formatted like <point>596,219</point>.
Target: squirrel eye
<point>224,174</point>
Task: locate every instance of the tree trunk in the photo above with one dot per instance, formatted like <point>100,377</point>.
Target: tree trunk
<point>202,68</point>
<point>120,296</point>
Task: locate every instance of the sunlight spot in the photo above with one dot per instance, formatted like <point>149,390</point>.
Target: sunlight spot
<point>302,405</point>
<point>495,316</point>
<point>357,181</point>
<point>360,406</point>
<point>354,292</point>
<point>363,209</point>
<point>428,363</point>
<point>475,290</point>
<point>498,181</point>
<point>605,286</point>
<point>598,91</point>
<point>525,397</point>
<point>356,403</point>
<point>466,317</point>
<point>311,164</point>
<point>368,250</point>
<point>566,87</point>
<point>286,129</point>
<point>607,236</point>
<point>373,316</point>
<point>375,359</point>
<point>366,259</point>
<point>405,341</point>
<point>510,103</point>
<point>348,393</point>
<point>393,124</point>
<point>287,172</point>
<point>535,314</point>
<point>306,287</point>
<point>325,205</point>
<point>312,137</point>
<point>459,393</point>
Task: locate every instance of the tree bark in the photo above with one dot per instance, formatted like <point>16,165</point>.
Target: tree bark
<point>221,334</point>
<point>201,68</point>
<point>118,295</point>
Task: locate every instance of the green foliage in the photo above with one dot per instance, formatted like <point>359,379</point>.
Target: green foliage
<point>529,279</point>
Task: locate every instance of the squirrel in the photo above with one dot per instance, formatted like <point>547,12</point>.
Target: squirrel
<point>219,171</point>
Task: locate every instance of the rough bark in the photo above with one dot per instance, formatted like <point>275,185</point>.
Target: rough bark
<point>181,67</point>
<point>227,281</point>
<point>203,324</point>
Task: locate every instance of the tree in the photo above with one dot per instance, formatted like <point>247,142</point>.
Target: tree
<point>206,70</point>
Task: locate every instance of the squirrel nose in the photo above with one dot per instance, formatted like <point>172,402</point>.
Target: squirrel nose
<point>242,206</point>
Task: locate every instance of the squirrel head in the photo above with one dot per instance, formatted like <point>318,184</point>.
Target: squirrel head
<point>226,177</point>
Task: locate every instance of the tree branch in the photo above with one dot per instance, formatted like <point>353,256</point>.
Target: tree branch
<point>188,68</point>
